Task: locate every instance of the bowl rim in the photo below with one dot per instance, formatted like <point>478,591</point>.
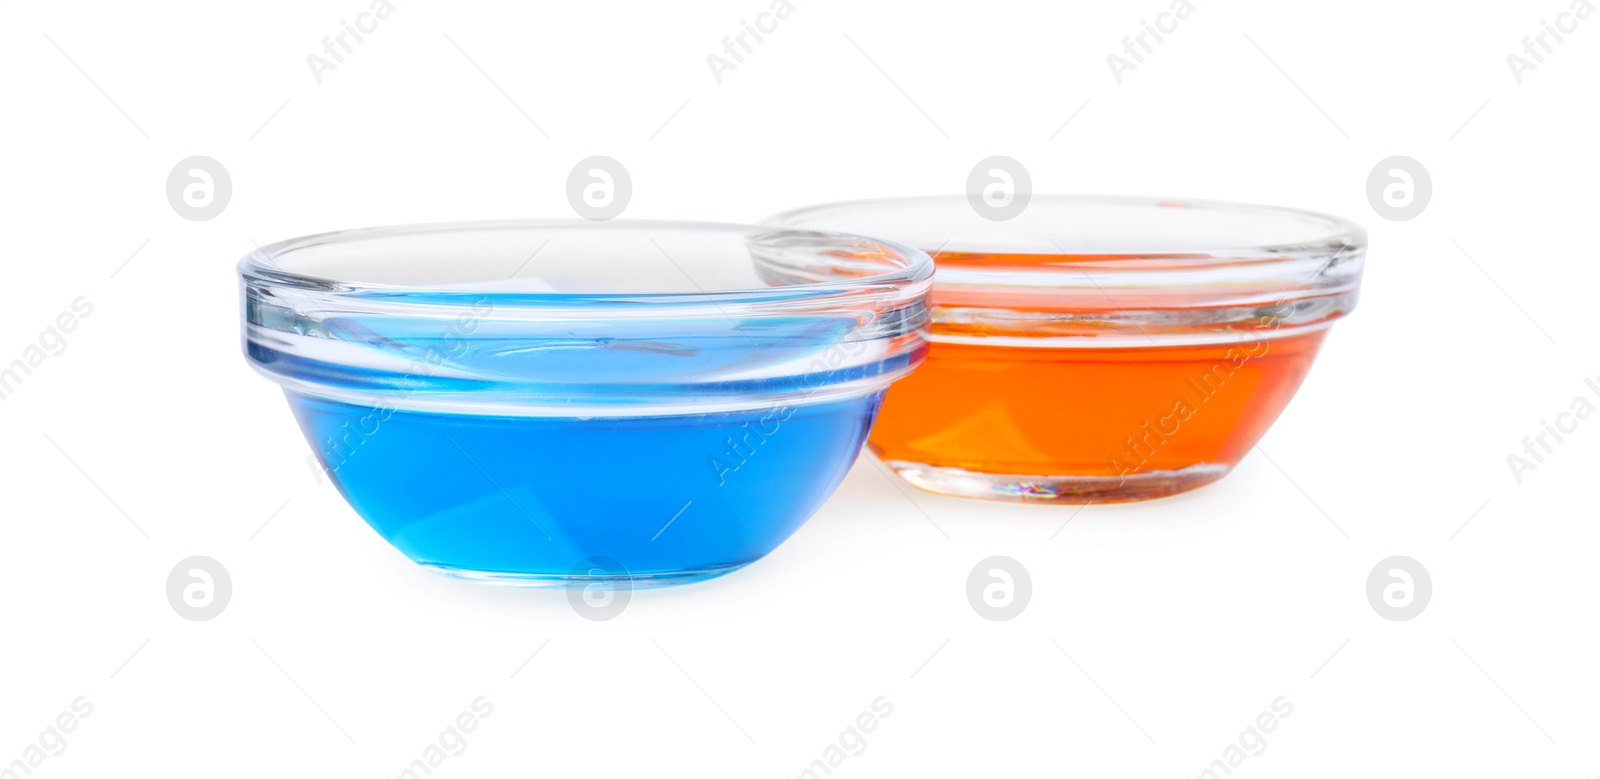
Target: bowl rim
<point>260,267</point>
<point>1302,260</point>
<point>840,335</point>
<point>1046,295</point>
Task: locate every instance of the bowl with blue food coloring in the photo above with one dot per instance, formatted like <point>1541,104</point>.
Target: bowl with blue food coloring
<point>556,403</point>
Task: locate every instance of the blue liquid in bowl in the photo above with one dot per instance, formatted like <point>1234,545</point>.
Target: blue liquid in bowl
<point>662,499</point>
<point>565,402</point>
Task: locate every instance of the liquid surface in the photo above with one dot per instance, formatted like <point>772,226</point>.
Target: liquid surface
<point>1116,412</point>
<point>690,495</point>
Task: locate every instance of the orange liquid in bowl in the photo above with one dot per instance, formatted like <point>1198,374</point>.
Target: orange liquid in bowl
<point>1102,424</point>
<point>1102,348</point>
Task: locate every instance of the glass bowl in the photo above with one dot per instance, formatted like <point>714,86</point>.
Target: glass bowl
<point>1102,349</point>
<point>561,402</point>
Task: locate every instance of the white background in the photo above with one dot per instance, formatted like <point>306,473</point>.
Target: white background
<point>1156,632</point>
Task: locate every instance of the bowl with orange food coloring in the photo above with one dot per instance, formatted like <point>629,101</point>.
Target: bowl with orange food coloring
<point>1103,349</point>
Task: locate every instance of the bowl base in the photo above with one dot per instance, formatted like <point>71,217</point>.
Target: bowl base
<point>632,581</point>
<point>1025,488</point>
